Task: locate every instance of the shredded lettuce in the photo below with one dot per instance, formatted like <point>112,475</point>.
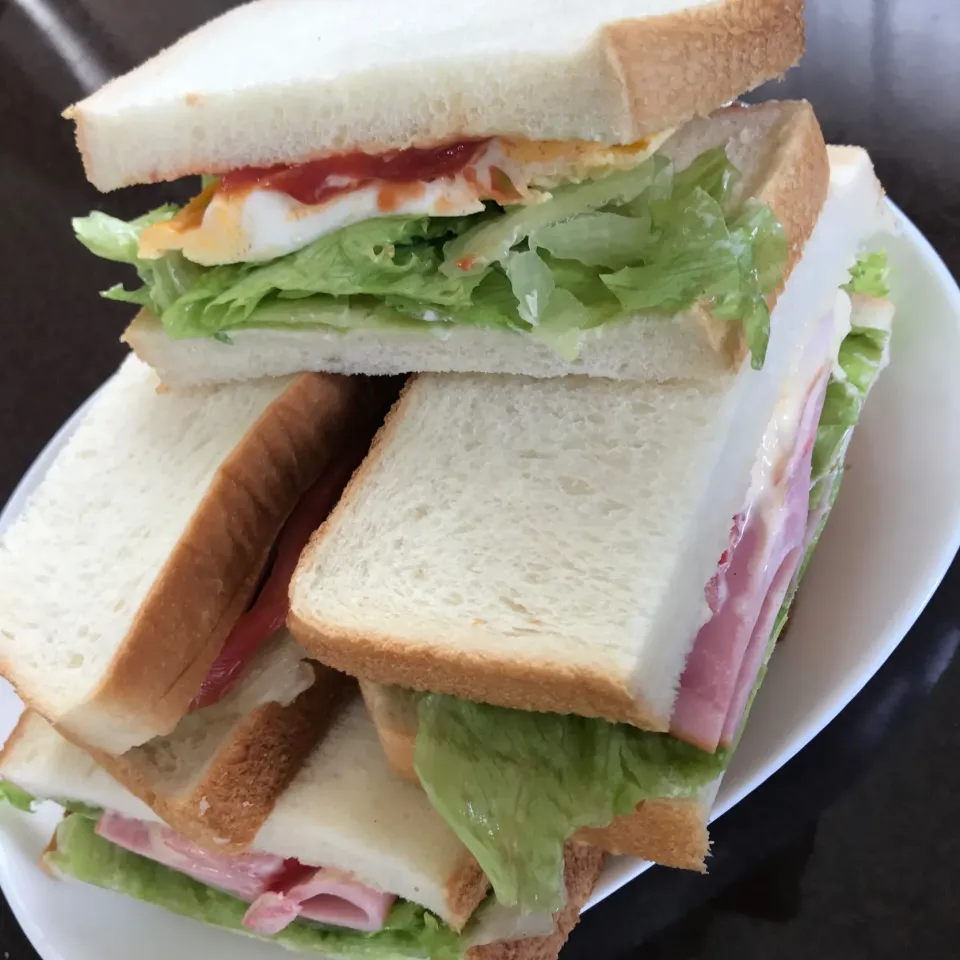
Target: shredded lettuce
<point>871,276</point>
<point>16,797</point>
<point>515,785</point>
<point>642,239</point>
<point>79,808</point>
<point>27,802</point>
<point>409,932</point>
<point>863,355</point>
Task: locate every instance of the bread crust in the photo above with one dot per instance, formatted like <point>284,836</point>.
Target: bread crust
<point>465,890</point>
<point>211,575</point>
<point>650,73</point>
<point>726,49</point>
<point>581,868</point>
<point>671,832</point>
<point>237,792</point>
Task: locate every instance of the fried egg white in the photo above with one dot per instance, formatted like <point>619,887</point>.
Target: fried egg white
<point>255,225</point>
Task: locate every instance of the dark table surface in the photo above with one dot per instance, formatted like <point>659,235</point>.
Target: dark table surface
<point>852,849</point>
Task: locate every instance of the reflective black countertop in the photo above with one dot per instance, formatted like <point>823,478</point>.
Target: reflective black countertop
<point>851,850</point>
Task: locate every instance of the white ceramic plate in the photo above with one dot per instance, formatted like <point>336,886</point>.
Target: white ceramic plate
<point>893,534</point>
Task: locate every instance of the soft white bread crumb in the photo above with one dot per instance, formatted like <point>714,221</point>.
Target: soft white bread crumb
<point>39,760</point>
<point>282,81</point>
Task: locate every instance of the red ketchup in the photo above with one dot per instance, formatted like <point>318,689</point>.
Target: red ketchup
<point>320,180</point>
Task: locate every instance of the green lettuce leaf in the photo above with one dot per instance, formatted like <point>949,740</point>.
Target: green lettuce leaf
<point>165,280</point>
<point>589,254</point>
<point>410,931</point>
<point>115,239</point>
<point>16,797</point>
<point>492,241</point>
<point>79,808</point>
<point>514,785</point>
<point>871,276</point>
<point>863,355</point>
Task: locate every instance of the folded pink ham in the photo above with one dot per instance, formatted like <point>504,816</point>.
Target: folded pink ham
<point>279,890</point>
<point>767,544</point>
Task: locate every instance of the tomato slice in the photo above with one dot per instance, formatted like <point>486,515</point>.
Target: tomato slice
<point>269,611</point>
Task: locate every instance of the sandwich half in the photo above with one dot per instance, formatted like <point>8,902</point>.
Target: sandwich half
<point>143,588</point>
<point>351,862</point>
<point>583,576</point>
<point>432,192</point>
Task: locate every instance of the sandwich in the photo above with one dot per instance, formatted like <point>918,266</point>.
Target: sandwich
<point>433,192</point>
<point>351,862</point>
<point>581,579</point>
<point>143,587</point>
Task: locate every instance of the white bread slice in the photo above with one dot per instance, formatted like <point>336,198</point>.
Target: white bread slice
<point>544,544</point>
<point>669,832</point>
<point>215,779</point>
<point>345,809</point>
<point>145,541</point>
<point>778,148</point>
<point>49,767</point>
<point>284,81</point>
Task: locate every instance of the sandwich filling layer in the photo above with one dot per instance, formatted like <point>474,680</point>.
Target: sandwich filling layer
<point>268,612</point>
<point>279,890</point>
<point>767,543</point>
<point>544,239</point>
<point>515,784</point>
<point>324,912</point>
<point>259,213</point>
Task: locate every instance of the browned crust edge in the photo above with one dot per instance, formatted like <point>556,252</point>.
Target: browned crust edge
<point>581,868</point>
<point>209,578</point>
<point>725,50</point>
<point>464,891</point>
<point>672,833</point>
<point>249,773</point>
<point>545,688</point>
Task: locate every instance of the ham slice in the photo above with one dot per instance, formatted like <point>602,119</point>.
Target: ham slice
<point>245,876</point>
<point>745,596</point>
<point>269,610</point>
<point>279,890</point>
<point>326,896</point>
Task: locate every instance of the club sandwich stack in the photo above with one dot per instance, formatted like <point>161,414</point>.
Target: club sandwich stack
<point>485,406</point>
